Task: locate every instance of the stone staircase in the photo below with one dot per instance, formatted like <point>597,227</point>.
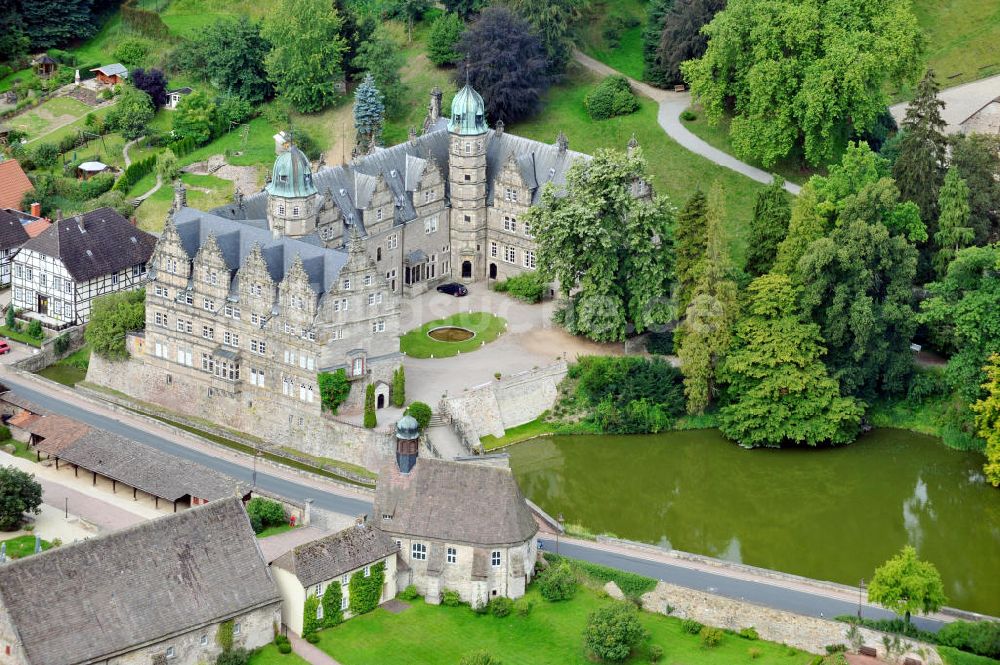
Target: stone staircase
<point>439,420</point>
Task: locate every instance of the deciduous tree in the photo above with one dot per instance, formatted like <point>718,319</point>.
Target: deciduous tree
<point>230,54</point>
<point>611,249</point>
<point>20,493</point>
<point>977,159</point>
<point>680,38</point>
<point>307,54</point>
<point>779,389</point>
<point>920,162</point>
<point>954,232</point>
<point>768,227</point>
<point>132,113</point>
<point>803,76</point>
<point>153,83</point>
<point>706,331</point>
<point>987,412</point>
<point>195,117</point>
<point>905,584</point>
<point>505,63</point>
<point>112,316</point>
<point>613,631</point>
<point>465,8</point>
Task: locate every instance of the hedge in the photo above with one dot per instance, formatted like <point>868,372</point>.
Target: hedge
<point>135,172</point>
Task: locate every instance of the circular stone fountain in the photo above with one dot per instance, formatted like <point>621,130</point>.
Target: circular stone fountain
<point>450,334</point>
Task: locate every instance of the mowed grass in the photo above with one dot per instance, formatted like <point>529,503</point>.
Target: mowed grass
<point>42,119</point>
<point>550,635</point>
<point>676,171</point>
<point>269,655</point>
<point>23,546</point>
<point>626,57</point>
<point>962,38</point>
<point>204,192</point>
<point>529,430</point>
<point>418,344</point>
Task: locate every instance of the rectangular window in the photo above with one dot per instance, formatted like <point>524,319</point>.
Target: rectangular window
<point>452,555</point>
<point>391,241</point>
<point>161,319</point>
<point>208,332</point>
<point>344,601</point>
<point>493,250</point>
<point>527,230</point>
<point>368,280</point>
<point>495,558</point>
<point>371,299</point>
<point>114,279</point>
<point>378,326</point>
<point>378,214</point>
<point>237,628</point>
<point>419,552</point>
<point>295,211</point>
<point>258,346</point>
<point>170,652</point>
<point>431,224</point>
<point>208,304</point>
<point>68,310</point>
<point>319,610</point>
<point>509,224</point>
<point>281,208</point>
<point>56,284</point>
<point>213,277</point>
<point>509,254</point>
<point>231,338</point>
<point>368,571</point>
<point>68,286</point>
<point>204,640</point>
<point>347,284</point>
<point>529,259</point>
<point>18,270</point>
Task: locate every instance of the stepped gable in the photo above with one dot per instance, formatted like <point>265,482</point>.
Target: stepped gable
<point>237,239</point>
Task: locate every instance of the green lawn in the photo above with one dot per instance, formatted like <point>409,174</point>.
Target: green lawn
<point>19,336</point>
<point>955,657</point>
<point>676,171</point>
<point>626,57</point>
<point>275,530</point>
<point>961,38</point>
<point>203,192</point>
<point>20,449</point>
<point>23,546</point>
<point>528,430</point>
<point>41,120</point>
<point>269,655</point>
<point>418,344</point>
<point>550,635</point>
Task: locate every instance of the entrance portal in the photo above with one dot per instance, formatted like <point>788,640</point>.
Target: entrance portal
<point>493,271</point>
<point>381,402</point>
<point>466,269</point>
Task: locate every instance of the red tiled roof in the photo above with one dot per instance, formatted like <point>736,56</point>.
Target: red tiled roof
<point>23,419</point>
<point>57,432</point>
<point>13,184</point>
<point>36,227</point>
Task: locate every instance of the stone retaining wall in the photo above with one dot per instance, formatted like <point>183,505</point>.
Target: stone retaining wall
<point>312,435</point>
<point>47,354</point>
<point>803,632</point>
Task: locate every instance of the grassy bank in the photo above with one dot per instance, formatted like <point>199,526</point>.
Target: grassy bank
<point>486,327</point>
<point>71,370</point>
<point>612,33</point>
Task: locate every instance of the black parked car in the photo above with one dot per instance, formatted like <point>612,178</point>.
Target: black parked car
<point>454,289</point>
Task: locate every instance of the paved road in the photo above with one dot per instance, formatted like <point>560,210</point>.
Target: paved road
<point>771,594</point>
<point>764,592</point>
<point>347,505</point>
<point>672,104</point>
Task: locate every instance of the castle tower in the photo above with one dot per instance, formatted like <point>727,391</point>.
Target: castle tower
<point>467,131</point>
<point>291,196</point>
<point>407,443</point>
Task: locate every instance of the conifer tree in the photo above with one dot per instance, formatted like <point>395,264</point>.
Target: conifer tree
<point>707,326</point>
<point>768,227</point>
<point>652,70</point>
<point>919,167</point>
<point>370,420</point>
<point>369,113</point>
<point>954,232</point>
<point>398,387</point>
<point>689,246</point>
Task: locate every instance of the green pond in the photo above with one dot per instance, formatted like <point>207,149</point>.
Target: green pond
<point>832,514</point>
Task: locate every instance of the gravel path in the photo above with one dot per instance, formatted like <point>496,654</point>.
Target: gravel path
<point>672,104</point>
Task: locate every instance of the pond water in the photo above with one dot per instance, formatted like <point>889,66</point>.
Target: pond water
<point>832,514</point>
<point>450,334</point>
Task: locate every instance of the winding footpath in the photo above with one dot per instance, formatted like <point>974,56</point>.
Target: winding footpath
<point>672,104</point>
<point>128,162</point>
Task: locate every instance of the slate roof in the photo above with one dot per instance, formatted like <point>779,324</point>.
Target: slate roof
<point>350,186</point>
<point>91,600</point>
<point>458,502</point>
<point>236,240</point>
<point>108,243</point>
<point>138,465</point>
<point>330,557</point>
<point>14,184</point>
<point>12,232</point>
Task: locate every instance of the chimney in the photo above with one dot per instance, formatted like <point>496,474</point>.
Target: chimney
<point>499,128</point>
<point>59,214</point>
<point>434,110</point>
<point>562,142</point>
<point>360,520</point>
<point>36,209</point>
<point>413,135</point>
<point>79,222</point>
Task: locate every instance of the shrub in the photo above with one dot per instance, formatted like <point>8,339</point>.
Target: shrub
<point>691,627</point>
<point>238,656</point>
<point>557,583</point>
<point>450,598</point>
<point>479,658</point>
<point>660,343</point>
<point>978,637</point>
<point>835,648</point>
<point>45,155</point>
<point>131,52</point>
<point>35,330</point>
<point>284,648</point>
<point>926,382</point>
<point>612,97</point>
<point>612,631</point>
<point>4,433</point>
<point>422,412</point>
<point>749,633</point>
<point>312,638</point>
<point>409,593</point>
<point>529,287</point>
<point>281,639</point>
<point>270,513</point>
<point>754,653</point>
<point>333,389</point>
<point>654,653</point>
<point>631,584</point>
<point>710,637</point>
<point>501,606</point>
<point>523,606</point>
<point>687,115</point>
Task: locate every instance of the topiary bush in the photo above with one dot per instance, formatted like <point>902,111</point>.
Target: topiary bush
<point>422,412</point>
<point>501,606</point>
<point>687,115</point>
<point>691,627</point>
<point>557,583</point>
<point>710,637</point>
<point>284,648</point>
<point>612,97</point>
<point>613,631</point>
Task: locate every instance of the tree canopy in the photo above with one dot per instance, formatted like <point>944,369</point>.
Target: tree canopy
<point>20,493</point>
<point>689,245</point>
<point>919,165</point>
<point>780,390</point>
<point>442,42</point>
<point>195,117</point>
<point>801,76</point>
<point>768,227</point>
<point>112,316</point>
<point>132,113</point>
<point>976,157</point>
<point>652,71</point>
<point>307,54</point>
<point>954,232</point>
<point>505,62</point>
<point>608,247</point>
<point>230,54</point>
<point>152,82</point>
<point>987,412</point>
<point>369,113</point>
<point>552,21</point>
<point>680,37</point>
<point>382,57</point>
<point>905,584</point>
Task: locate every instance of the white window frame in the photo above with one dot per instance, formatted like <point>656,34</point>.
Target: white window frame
<point>452,555</point>
<point>495,558</point>
<point>418,552</point>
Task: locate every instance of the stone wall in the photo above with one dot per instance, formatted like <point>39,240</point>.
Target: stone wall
<point>803,632</point>
<point>310,434</point>
<point>492,408</point>
<point>47,354</point>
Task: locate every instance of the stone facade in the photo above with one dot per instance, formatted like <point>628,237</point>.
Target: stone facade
<point>803,632</point>
<point>984,121</point>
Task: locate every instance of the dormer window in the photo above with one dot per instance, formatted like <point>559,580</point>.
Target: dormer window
<point>347,285</point>
<point>282,178</point>
<point>378,214</point>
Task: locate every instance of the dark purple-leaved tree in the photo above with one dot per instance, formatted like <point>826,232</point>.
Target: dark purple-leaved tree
<point>505,63</point>
<point>153,83</point>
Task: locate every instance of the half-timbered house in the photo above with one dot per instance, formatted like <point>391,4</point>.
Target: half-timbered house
<point>12,236</point>
<point>57,275</point>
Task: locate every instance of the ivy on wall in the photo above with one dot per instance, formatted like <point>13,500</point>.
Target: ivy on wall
<point>366,591</point>
<point>332,598</point>
<point>310,624</point>
<point>224,637</point>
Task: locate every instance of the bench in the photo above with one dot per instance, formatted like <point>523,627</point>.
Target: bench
<point>868,651</point>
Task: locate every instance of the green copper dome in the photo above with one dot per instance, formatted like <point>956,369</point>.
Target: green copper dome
<point>407,428</point>
<point>292,177</point>
<point>468,113</point>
